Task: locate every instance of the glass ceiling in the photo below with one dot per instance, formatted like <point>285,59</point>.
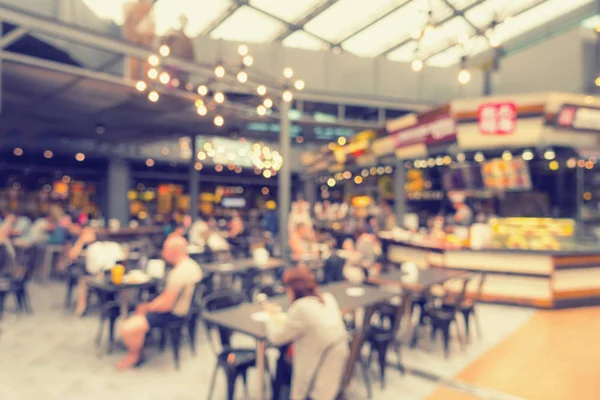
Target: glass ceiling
<point>440,32</point>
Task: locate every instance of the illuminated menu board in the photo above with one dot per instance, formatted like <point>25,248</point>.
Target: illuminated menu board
<point>501,174</point>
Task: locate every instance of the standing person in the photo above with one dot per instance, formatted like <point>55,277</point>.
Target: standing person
<point>173,304</point>
<point>313,324</point>
<point>463,215</point>
<point>302,242</point>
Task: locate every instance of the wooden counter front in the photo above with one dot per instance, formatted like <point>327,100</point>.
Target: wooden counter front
<point>540,279</point>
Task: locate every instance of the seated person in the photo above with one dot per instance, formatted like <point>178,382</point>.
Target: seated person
<point>302,242</point>
<point>171,305</point>
<point>37,234</point>
<point>362,258</point>
<point>313,323</point>
<point>21,226</point>
<point>99,256</point>
<point>198,233</point>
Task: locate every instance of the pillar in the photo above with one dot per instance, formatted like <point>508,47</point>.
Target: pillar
<point>1,34</point>
<point>399,191</point>
<point>310,194</point>
<point>118,184</point>
<point>194,185</point>
<point>284,179</point>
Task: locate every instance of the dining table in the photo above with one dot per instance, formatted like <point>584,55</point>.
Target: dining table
<point>245,319</point>
<point>115,302</point>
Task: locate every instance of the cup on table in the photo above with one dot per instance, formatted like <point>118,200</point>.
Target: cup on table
<point>116,273</point>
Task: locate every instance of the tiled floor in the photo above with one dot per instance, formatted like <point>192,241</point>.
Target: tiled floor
<point>50,355</point>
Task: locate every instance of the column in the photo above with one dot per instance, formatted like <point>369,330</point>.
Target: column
<point>118,184</point>
<point>194,176</point>
<point>309,190</point>
<point>399,191</point>
<point>284,179</point>
<point>1,34</point>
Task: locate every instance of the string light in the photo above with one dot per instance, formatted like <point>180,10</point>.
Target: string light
<point>198,166</point>
<point>287,96</point>
<point>464,76</point>
<point>417,64</point>
<point>248,60</point>
<point>341,140</point>
<point>219,121</point>
<point>219,97</point>
<point>494,40</point>
<point>18,152</point>
<point>202,111</point>
<point>153,60</point>
<point>261,110</point>
<point>242,77</point>
<point>202,90</point>
<point>199,103</point>
<point>261,90</point>
<point>243,50</point>
<point>268,103</point>
<point>267,173</point>
<point>527,155</point>
<point>164,78</point>
<point>141,86</point>
<point>80,157</point>
<point>164,50</point>
<point>219,71</point>
<point>299,84</point>
<point>48,154</point>
<point>288,72</point>
<point>152,73</point>
<point>153,96</point>
<point>149,162</point>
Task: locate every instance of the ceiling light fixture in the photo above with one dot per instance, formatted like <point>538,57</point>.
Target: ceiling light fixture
<point>288,72</point>
<point>299,84</point>
<point>287,96</point>
<point>417,65</point>
<point>164,78</point>
<point>268,103</point>
<point>202,90</point>
<point>261,90</point>
<point>242,77</point>
<point>153,96</point>
<point>153,60</point>
<point>219,97</point>
<point>243,50</point>
<point>219,71</point>
<point>219,121</point>
<point>164,50</point>
<point>152,73</point>
<point>248,60</point>
<point>141,86</point>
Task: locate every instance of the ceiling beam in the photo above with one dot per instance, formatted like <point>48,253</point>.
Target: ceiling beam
<point>482,33</point>
<point>222,18</point>
<point>370,24</point>
<point>461,13</point>
<point>299,25</point>
<point>289,26</point>
<point>12,37</point>
<point>437,24</point>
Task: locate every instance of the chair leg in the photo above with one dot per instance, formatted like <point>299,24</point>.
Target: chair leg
<point>466,316</point>
<point>462,340</point>
<point>382,356</point>
<point>365,372</point>
<point>175,334</point>
<point>192,325</point>
<point>69,295</point>
<point>231,378</point>
<point>26,301</point>
<point>2,294</point>
<point>100,333</point>
<point>111,332</point>
<point>162,340</point>
<point>213,380</point>
<point>399,358</point>
<point>245,379</point>
<point>445,328</point>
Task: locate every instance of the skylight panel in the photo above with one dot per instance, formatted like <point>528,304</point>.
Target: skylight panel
<point>302,40</point>
<point>200,14</point>
<point>248,25</point>
<point>288,10</point>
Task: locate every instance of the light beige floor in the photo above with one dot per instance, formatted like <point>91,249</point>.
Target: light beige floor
<point>553,356</point>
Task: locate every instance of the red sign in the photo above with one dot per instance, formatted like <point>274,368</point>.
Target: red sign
<point>567,116</point>
<point>497,118</point>
<point>430,132</point>
<point>579,118</point>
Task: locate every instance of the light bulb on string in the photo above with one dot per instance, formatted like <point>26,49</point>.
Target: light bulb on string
<point>268,103</point>
<point>202,111</point>
<point>219,71</point>
<point>261,90</point>
<point>219,121</point>
<point>152,73</point>
<point>202,90</point>
<point>417,65</point>
<point>287,95</point>
<point>288,72</point>
<point>261,110</point>
<point>248,60</point>
<point>164,78</point>
<point>153,96</point>
<point>141,86</point>
<point>299,84</point>
<point>153,60</point>
<point>219,97</point>
<point>464,76</point>
<point>199,103</point>
<point>243,50</point>
<point>494,40</point>
<point>242,77</point>
<point>164,50</point>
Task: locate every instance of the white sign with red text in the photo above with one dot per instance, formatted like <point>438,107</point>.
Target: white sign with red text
<point>497,118</point>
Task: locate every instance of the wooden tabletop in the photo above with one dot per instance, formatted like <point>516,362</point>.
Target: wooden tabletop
<point>107,286</point>
<point>239,318</point>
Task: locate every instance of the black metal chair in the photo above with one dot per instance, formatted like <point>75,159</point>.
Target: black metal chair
<point>234,361</point>
<point>467,308</point>
<point>442,314</point>
<point>15,279</point>
<point>74,273</point>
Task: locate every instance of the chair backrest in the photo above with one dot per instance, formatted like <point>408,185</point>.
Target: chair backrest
<point>269,289</point>
<point>482,280</point>
<point>458,300</point>
<point>218,301</point>
<point>344,338</point>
